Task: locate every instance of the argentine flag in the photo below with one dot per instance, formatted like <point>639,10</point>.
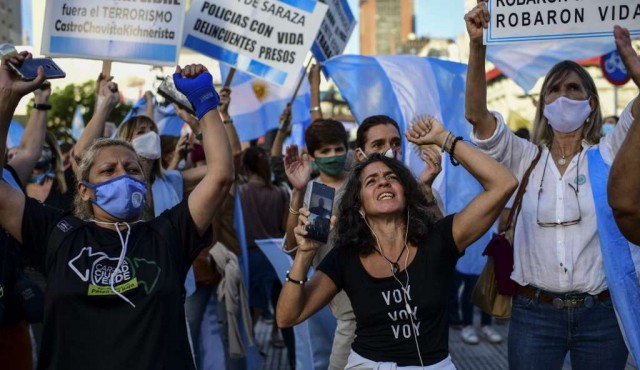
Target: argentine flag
<point>405,87</point>
<point>526,62</point>
<point>15,134</point>
<point>256,105</point>
<point>77,123</point>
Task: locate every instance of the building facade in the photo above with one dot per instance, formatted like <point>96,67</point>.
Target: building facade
<point>385,25</point>
<point>10,22</point>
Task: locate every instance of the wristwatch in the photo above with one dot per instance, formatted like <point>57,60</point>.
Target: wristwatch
<point>42,106</point>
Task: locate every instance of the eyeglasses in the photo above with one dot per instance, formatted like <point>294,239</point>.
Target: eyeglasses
<point>576,191</point>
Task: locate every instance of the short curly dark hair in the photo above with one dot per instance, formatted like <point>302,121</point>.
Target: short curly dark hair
<point>352,231</point>
<point>324,131</point>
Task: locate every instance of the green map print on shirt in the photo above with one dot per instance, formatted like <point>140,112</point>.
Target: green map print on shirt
<point>97,268</point>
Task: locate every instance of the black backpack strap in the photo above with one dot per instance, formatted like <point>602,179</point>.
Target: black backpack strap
<point>65,227</point>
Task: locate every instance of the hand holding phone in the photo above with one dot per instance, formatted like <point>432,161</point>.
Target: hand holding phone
<point>320,209</point>
<point>167,90</point>
<point>28,69</point>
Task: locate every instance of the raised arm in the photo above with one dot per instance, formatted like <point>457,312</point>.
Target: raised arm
<point>624,189</point>
<point>232,133</point>
<point>298,169</point>
<point>108,98</point>
<point>297,302</point>
<point>11,91</point>
<point>275,159</point>
<point>206,199</point>
<point>476,112</point>
<point>33,137</point>
<point>498,182</point>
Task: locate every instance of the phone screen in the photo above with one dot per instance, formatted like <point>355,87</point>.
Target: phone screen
<point>320,207</point>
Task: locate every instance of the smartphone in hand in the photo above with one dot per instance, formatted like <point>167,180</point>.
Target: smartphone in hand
<point>28,69</point>
<point>167,90</point>
<point>321,208</point>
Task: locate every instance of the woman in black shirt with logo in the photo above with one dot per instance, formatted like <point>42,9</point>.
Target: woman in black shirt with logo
<point>394,261</point>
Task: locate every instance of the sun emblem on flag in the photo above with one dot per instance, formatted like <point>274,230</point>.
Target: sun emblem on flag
<point>261,89</point>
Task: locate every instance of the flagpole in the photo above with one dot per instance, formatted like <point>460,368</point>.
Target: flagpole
<point>227,82</point>
<point>304,75</point>
<point>106,68</point>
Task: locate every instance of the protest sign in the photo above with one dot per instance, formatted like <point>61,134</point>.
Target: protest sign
<point>266,38</point>
<point>143,31</point>
<point>527,20</point>
<point>335,30</point>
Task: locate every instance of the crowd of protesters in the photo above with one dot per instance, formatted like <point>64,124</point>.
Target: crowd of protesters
<point>131,233</point>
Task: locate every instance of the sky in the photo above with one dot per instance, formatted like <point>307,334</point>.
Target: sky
<point>435,19</point>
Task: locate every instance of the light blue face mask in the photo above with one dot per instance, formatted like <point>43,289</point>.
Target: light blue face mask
<point>122,197</point>
<point>607,128</point>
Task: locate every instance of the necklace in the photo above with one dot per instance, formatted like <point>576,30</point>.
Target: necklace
<point>394,265</point>
<point>563,158</point>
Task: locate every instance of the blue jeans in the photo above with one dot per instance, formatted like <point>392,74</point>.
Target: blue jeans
<point>195,306</point>
<point>469,282</point>
<point>540,336</point>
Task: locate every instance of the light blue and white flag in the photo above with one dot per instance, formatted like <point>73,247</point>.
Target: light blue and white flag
<point>256,105</point>
<point>405,87</point>
<point>159,111</point>
<point>15,134</point>
<point>526,62</point>
<point>77,123</point>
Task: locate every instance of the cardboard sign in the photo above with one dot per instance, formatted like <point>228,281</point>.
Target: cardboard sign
<point>266,38</point>
<point>143,31</point>
<point>335,30</point>
<point>527,20</point>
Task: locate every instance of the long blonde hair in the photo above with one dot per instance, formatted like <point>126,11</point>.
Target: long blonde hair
<point>128,128</point>
<point>542,131</point>
<point>82,208</point>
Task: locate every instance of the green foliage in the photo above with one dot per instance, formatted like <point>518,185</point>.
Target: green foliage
<point>63,103</point>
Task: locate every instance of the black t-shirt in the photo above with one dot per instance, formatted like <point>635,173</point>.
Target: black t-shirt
<point>86,325</point>
<point>383,326</point>
<point>59,200</point>
<point>11,264</point>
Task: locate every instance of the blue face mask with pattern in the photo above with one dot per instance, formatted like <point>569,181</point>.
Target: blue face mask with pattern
<point>122,197</point>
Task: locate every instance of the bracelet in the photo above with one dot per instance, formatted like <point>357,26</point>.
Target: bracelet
<point>314,109</point>
<point>444,142</point>
<point>227,121</point>
<point>453,149</point>
<point>299,282</point>
<point>42,106</point>
<point>293,212</point>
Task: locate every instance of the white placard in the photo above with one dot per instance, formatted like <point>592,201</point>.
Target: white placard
<point>528,20</point>
<point>266,38</point>
<point>335,30</point>
<point>142,31</point>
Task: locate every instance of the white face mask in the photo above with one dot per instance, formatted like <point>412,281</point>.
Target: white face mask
<point>389,153</point>
<point>147,145</point>
<point>566,115</point>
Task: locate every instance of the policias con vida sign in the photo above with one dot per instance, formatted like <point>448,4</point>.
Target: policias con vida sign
<point>266,38</point>
<point>143,31</point>
<point>527,20</point>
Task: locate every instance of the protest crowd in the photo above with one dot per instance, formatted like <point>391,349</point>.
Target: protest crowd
<point>133,249</point>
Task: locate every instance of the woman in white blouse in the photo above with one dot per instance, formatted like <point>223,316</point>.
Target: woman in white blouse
<point>562,268</point>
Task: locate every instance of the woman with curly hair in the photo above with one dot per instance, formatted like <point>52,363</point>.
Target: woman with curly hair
<point>393,259</point>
